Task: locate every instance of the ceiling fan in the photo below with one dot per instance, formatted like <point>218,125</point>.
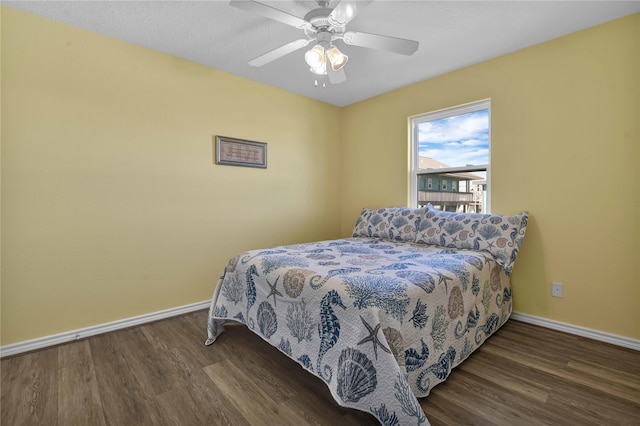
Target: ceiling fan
<point>323,26</point>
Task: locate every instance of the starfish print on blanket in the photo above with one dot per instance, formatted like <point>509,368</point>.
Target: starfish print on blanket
<point>373,337</point>
<point>443,279</point>
<point>274,291</point>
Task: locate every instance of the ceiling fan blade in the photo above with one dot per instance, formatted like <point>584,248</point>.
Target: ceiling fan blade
<point>380,42</point>
<point>279,52</point>
<point>271,13</point>
<point>345,11</point>
<point>337,77</point>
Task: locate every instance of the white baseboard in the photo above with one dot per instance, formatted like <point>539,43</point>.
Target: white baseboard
<point>69,336</point>
<point>578,331</point>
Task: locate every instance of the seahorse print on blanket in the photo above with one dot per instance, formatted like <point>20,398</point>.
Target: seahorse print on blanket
<point>328,329</point>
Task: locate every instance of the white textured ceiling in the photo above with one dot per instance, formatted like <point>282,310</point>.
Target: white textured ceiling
<point>452,35</point>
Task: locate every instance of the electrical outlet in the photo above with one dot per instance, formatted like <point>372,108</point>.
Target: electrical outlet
<point>556,289</point>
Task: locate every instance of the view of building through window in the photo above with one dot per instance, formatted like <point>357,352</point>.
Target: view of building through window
<point>451,158</point>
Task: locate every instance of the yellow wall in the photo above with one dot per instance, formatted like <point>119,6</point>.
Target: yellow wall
<point>111,204</point>
<point>564,146</point>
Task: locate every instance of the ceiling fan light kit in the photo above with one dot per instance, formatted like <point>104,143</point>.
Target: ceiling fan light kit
<point>315,57</point>
<point>323,26</point>
<point>336,58</point>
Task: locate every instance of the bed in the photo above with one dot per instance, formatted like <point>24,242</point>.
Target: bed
<point>384,315</point>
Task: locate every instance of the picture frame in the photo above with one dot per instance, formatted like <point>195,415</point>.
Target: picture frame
<point>240,152</point>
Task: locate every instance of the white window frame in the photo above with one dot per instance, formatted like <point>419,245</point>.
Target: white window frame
<point>415,120</point>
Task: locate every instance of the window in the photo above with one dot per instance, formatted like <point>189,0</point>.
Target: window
<point>451,146</point>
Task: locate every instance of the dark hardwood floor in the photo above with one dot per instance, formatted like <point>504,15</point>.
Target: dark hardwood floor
<point>161,373</point>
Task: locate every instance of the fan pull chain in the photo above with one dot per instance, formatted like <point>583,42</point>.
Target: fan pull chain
<point>315,84</point>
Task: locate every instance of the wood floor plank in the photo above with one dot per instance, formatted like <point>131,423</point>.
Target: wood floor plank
<point>209,404</point>
<point>78,396</point>
<point>568,345</point>
<point>443,410</point>
<point>184,332</point>
<point>490,401</point>
<point>29,389</point>
<point>560,369</point>
<point>319,413</point>
<point>535,346</point>
<point>616,377</point>
<point>502,376</point>
<point>593,406</point>
<point>248,396</point>
<point>123,399</point>
<point>149,366</point>
<point>624,359</point>
<point>269,375</point>
<point>177,407</point>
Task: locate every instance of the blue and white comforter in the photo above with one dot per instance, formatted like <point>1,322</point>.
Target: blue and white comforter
<point>379,322</point>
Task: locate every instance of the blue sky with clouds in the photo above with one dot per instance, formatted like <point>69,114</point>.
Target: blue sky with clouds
<point>456,141</point>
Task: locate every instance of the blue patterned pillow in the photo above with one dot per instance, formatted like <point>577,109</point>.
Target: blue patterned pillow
<point>499,235</point>
<point>390,223</point>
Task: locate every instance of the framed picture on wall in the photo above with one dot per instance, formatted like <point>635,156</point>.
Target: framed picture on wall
<point>240,152</point>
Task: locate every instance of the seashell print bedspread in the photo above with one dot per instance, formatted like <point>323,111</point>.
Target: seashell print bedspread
<point>379,322</point>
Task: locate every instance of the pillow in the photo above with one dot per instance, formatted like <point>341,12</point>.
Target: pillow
<point>499,235</point>
<point>390,223</point>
